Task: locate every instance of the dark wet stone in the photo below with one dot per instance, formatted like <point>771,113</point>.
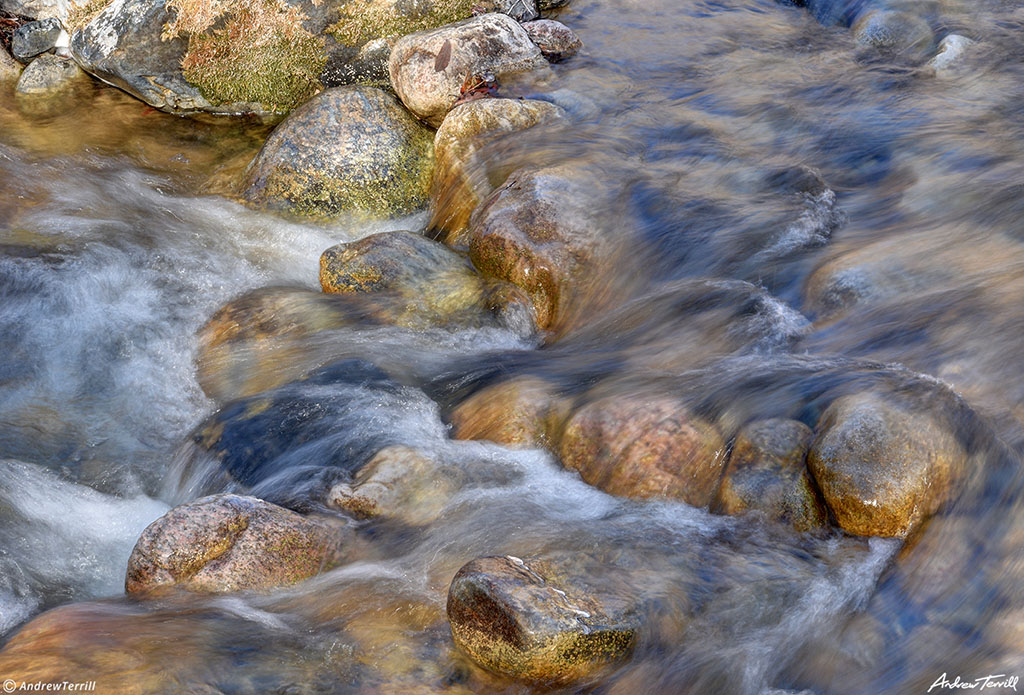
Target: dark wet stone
<point>767,472</point>
<point>883,465</point>
<point>33,38</point>
<point>895,33</point>
<point>555,40</point>
<point>645,446</point>
<point>349,149</point>
<point>227,543</point>
<point>531,619</point>
<point>428,68</point>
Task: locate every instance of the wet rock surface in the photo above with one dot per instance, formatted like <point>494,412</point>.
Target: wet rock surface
<point>50,85</point>
<point>767,472</point>
<point>555,40</point>
<point>428,68</point>
<point>895,33</point>
<point>521,617</point>
<point>229,543</point>
<point>522,412</point>
<point>10,70</point>
<point>882,466</point>
<point>347,150</point>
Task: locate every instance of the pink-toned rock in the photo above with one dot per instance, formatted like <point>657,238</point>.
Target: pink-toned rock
<point>555,40</point>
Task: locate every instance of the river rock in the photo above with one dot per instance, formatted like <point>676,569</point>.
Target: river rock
<point>767,472</point>
<point>519,10</point>
<point>645,446</point>
<point>36,9</point>
<point>555,40</point>
<point>49,84</point>
<point>399,482</point>
<point>349,149</point>
<point>538,232</point>
<point>10,69</point>
<point>428,68</point>
<point>882,465</point>
<point>523,412</point>
<point>226,543</point>
<point>950,57</point>
<point>526,619</point>
<point>430,283</point>
<point>458,184</point>
<point>33,38</point>
<point>895,33</point>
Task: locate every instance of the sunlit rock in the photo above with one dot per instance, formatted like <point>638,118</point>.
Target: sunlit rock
<point>767,472</point>
<point>428,68</point>
<point>645,446</point>
<point>535,620</point>
<point>349,149</point>
<point>522,412</point>
<point>555,40</point>
<point>882,465</point>
<point>460,181</point>
<point>10,69</point>
<point>33,38</point>
<point>36,9</point>
<point>229,543</point>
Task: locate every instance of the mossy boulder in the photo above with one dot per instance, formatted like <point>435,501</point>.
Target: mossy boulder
<point>428,283</point>
<point>883,465</point>
<point>226,543</point>
<point>767,472</point>
<point>537,620</point>
<point>428,68</point>
<point>460,183</point>
<point>521,412</point>
<point>347,150</point>
<point>645,446</point>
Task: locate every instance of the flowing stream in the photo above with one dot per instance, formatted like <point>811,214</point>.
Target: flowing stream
<point>699,123</point>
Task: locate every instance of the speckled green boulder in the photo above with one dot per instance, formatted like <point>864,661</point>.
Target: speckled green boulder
<point>767,472</point>
<point>532,620</point>
<point>882,465</point>
<point>228,543</point>
<point>347,150</point>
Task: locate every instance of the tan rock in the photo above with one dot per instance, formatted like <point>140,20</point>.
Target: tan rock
<point>523,412</point>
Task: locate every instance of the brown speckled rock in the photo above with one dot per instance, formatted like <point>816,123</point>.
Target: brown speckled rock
<point>49,85</point>
<point>348,149</point>
<point>398,483</point>
<point>555,40</point>
<point>428,68</point>
<point>523,412</point>
<point>538,232</point>
<point>767,472</point>
<point>526,619</point>
<point>459,184</point>
<point>883,466</point>
<point>228,543</point>
<point>645,446</point>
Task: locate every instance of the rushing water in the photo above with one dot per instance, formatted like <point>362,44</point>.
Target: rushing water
<point>742,283</point>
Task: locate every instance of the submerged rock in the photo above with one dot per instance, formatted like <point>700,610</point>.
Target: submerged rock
<point>521,412</point>
<point>429,283</point>
<point>767,472</point>
<point>349,149</point>
<point>458,184</point>
<point>555,40</point>
<point>645,446</point>
<point>530,619</point>
<point>950,57</point>
<point>10,69</point>
<point>538,232</point>
<point>882,465</point>
<point>33,38</point>
<point>49,85</point>
<point>229,543</point>
<point>428,68</point>
<point>895,33</point>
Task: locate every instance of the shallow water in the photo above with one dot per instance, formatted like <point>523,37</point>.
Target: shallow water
<point>737,283</point>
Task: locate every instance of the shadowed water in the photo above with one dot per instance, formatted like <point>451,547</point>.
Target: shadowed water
<point>787,216</point>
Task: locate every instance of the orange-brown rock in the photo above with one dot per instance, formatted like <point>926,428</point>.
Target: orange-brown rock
<point>522,412</point>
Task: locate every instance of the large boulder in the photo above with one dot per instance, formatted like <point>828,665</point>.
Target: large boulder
<point>539,231</point>
<point>459,183</point>
<point>429,68</point>
<point>229,543</point>
<point>883,465</point>
<point>530,619</point>
<point>767,472</point>
<point>521,412</point>
<point>645,446</point>
<point>349,149</point>
<point>428,283</point>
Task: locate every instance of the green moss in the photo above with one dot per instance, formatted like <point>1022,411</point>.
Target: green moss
<point>365,20</point>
